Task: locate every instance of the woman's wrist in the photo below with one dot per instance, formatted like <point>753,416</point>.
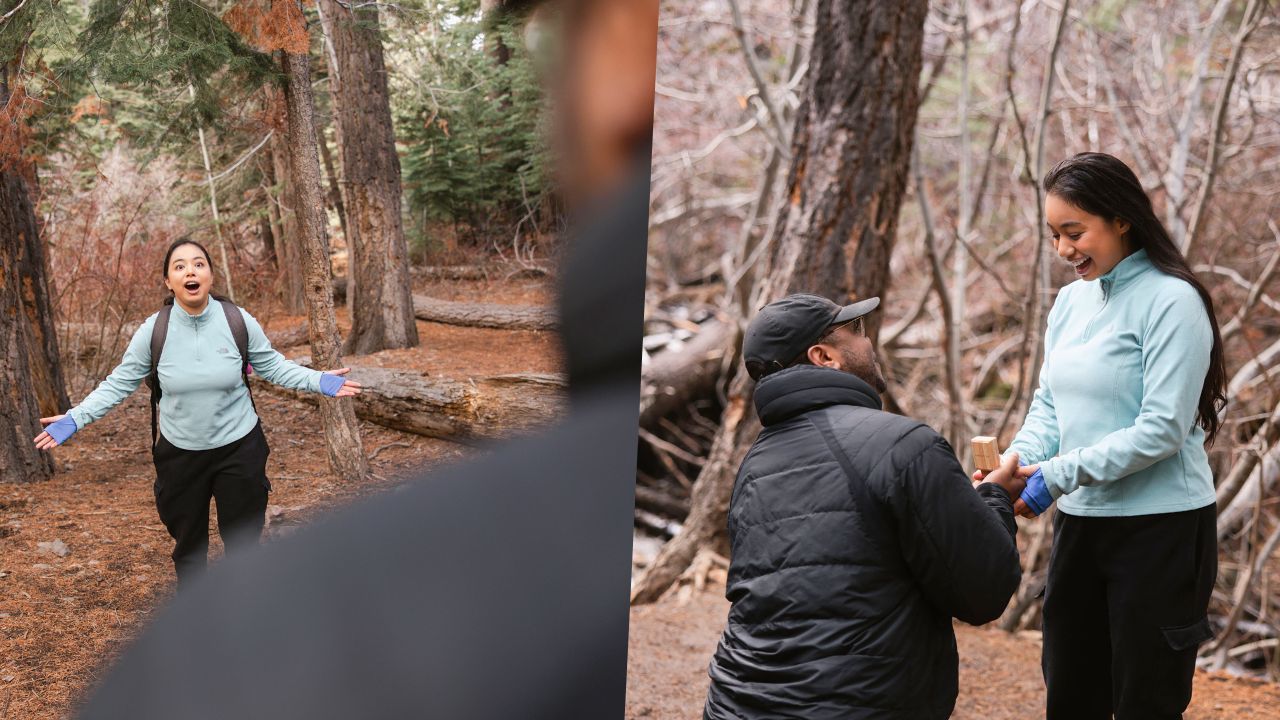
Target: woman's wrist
<point>63,429</point>
<point>330,384</point>
<point>1036,495</point>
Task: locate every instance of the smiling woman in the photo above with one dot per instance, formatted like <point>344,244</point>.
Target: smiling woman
<point>1129,393</point>
<point>208,442</point>
<point>1092,244</point>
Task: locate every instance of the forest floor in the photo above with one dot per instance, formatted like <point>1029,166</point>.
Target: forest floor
<point>672,641</point>
<point>66,612</point>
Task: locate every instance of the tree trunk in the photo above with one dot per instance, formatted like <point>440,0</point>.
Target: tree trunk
<point>37,300</point>
<point>485,315</point>
<point>381,307</point>
<point>469,411</point>
<point>289,240</point>
<point>275,232</point>
<point>335,192</point>
<point>342,430</point>
<point>20,410</point>
<point>267,235</point>
<point>24,230</point>
<point>850,154</point>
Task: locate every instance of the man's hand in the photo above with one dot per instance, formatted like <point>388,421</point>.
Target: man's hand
<point>1008,476</point>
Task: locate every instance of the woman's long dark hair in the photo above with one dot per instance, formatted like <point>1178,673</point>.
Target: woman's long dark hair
<point>168,255</point>
<point>1104,186</point>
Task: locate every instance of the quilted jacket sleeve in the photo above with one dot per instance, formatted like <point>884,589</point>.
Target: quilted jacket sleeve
<point>957,542</point>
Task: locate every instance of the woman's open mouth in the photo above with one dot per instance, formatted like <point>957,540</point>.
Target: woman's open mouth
<point>1083,267</point>
<point>191,286</point>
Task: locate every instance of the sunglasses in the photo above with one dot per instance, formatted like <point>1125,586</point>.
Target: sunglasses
<point>855,325</point>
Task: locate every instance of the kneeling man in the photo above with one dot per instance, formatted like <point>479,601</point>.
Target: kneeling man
<point>856,537</point>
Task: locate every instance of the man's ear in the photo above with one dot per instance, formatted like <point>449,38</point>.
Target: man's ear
<point>821,355</point>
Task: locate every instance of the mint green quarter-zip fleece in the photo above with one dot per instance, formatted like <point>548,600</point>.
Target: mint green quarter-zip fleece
<point>204,404</point>
<point>1113,423</point>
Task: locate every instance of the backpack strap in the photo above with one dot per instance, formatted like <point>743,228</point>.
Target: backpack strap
<point>235,319</point>
<point>159,331</point>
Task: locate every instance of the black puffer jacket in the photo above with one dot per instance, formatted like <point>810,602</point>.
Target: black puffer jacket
<point>846,572</point>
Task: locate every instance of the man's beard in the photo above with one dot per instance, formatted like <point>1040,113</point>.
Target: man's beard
<point>867,371</point>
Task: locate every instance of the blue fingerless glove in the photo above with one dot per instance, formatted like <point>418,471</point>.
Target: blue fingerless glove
<point>331,384</point>
<point>63,429</point>
<point>1036,494</point>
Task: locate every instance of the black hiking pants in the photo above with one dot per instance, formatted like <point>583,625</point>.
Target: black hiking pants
<point>1124,612</point>
<point>234,476</point>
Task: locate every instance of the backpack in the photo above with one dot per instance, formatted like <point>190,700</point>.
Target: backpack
<point>160,331</point>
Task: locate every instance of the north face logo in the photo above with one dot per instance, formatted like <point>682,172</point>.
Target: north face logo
<point>223,350</point>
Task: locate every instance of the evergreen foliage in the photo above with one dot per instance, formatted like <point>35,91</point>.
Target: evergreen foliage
<point>168,44</point>
<point>475,136</point>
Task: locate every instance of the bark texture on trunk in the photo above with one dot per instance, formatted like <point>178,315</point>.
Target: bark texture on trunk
<point>335,192</point>
<point>342,430</point>
<point>274,232</point>
<point>850,155</point>
<point>380,302</point>
<point>19,407</point>
<point>288,241</point>
<point>37,300</point>
<point>479,410</point>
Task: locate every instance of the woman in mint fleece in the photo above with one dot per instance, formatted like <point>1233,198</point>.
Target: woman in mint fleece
<point>1129,392</point>
<point>210,443</point>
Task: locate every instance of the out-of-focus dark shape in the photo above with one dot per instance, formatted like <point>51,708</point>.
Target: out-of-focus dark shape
<point>496,589</point>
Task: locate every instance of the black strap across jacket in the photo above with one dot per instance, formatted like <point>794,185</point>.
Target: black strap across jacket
<point>856,537</point>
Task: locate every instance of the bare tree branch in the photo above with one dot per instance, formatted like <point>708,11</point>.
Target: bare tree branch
<point>780,137</point>
<point>1175,175</point>
<point>1252,15</point>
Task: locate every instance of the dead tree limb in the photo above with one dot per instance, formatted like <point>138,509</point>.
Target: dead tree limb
<point>674,378</point>
<point>1174,178</point>
<point>1248,23</point>
<point>1037,306</point>
<point>776,135</point>
<point>956,414</point>
<point>661,503</point>
<point>1219,646</point>
<point>710,501</point>
<point>1236,323</point>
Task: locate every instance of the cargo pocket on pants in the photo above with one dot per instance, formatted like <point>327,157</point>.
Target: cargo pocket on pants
<point>1188,637</point>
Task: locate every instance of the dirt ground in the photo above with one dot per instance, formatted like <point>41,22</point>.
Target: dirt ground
<point>671,643</point>
<point>66,613</point>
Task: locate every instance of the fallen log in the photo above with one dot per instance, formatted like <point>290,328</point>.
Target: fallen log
<point>660,503</point>
<point>288,337</point>
<point>486,315</point>
<point>478,272</point>
<point>468,411</point>
<point>674,378</point>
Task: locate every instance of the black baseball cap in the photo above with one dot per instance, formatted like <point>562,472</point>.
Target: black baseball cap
<point>786,328</point>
